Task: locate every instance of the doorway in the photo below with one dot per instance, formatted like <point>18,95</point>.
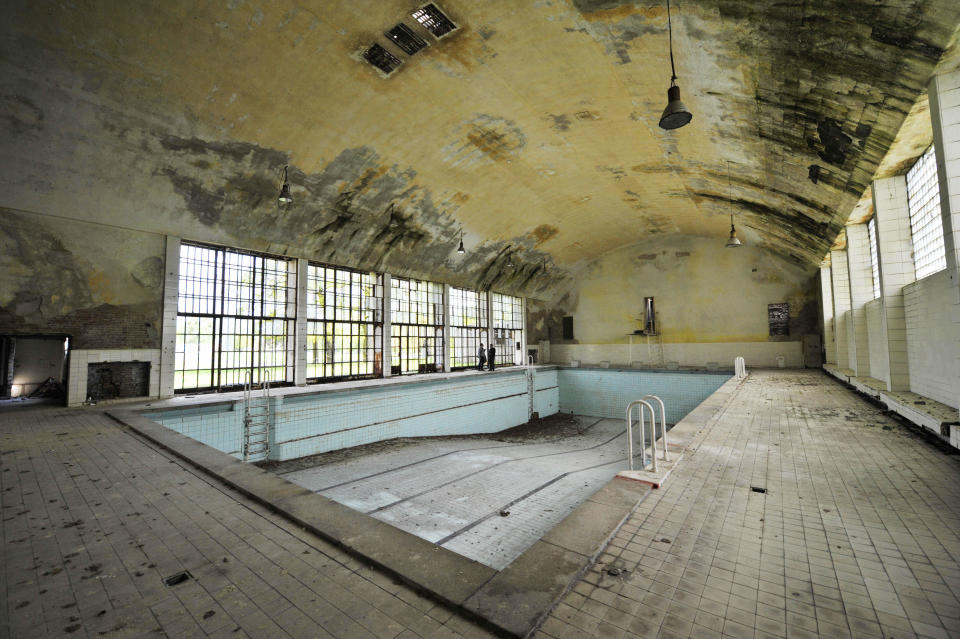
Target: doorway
<point>34,368</point>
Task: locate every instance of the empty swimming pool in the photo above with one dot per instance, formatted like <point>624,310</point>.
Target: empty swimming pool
<point>428,455</point>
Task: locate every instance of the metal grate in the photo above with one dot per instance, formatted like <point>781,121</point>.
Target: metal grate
<point>344,323</point>
<point>434,20</point>
<point>926,225</point>
<point>507,328</point>
<point>874,260</point>
<point>416,330</point>
<point>235,315</point>
<point>778,316</point>
<point>468,326</point>
<point>404,37</point>
<point>381,58</point>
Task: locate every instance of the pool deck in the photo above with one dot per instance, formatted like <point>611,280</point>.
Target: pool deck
<point>856,535</point>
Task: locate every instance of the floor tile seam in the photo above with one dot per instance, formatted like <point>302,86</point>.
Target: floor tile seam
<point>237,499</point>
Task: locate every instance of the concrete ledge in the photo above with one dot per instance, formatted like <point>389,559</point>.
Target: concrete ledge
<point>940,419</point>
<point>510,602</point>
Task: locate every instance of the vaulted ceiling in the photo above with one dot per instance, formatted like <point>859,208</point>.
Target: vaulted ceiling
<point>532,126</point>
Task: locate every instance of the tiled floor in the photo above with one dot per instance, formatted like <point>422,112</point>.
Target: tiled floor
<point>94,519</point>
<point>857,535</point>
<point>452,491</point>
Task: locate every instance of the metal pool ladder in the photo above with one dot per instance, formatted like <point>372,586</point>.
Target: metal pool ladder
<point>256,421</point>
<point>740,367</point>
<point>643,403</point>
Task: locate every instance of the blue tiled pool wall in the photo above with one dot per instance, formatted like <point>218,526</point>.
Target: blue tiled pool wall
<point>606,393</point>
<point>313,423</point>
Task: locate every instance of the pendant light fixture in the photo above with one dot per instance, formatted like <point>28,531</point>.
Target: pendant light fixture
<point>733,241</point>
<point>284,198</point>
<point>460,248</point>
<point>510,259</point>
<point>676,114</point>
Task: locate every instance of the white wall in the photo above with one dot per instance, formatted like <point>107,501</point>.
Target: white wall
<point>757,354</point>
<point>879,364</point>
<point>931,337</point>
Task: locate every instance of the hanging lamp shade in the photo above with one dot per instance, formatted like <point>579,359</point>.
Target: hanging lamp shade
<point>676,114</point>
<point>285,197</point>
<point>734,241</point>
<point>460,248</point>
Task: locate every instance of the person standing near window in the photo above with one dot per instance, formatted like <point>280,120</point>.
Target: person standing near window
<point>491,356</point>
<point>481,357</point>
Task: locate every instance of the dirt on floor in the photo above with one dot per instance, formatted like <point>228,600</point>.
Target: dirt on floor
<point>556,426</point>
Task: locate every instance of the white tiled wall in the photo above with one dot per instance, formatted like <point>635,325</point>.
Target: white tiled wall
<point>860,275</point>
<point>841,304</point>
<point>761,354</point>
<point>873,313</point>
<point>931,338</point>
<point>79,359</point>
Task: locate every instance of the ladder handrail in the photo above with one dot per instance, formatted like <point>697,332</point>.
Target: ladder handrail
<point>740,367</point>
<point>663,423</point>
<point>653,441</point>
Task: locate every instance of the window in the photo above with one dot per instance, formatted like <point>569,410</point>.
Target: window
<point>416,329</point>
<point>926,227</point>
<point>874,264</point>
<point>507,328</point>
<point>235,317</point>
<point>402,36</point>
<point>344,323</point>
<point>381,58</point>
<point>433,20</point>
<point>468,325</point>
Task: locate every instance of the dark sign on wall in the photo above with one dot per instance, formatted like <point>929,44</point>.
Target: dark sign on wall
<point>778,316</point>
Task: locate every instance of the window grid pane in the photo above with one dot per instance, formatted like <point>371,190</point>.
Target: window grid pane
<point>234,318</point>
<point>416,332</point>
<point>926,226</point>
<point>468,326</point>
<point>344,323</point>
<point>874,265</point>
<point>507,327</point>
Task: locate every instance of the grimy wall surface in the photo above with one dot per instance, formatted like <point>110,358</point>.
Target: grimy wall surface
<point>711,305</point>
<point>98,284</point>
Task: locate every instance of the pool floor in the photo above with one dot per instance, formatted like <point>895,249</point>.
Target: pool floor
<point>479,496</point>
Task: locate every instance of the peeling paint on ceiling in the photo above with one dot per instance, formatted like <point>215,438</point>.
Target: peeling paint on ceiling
<point>531,127</point>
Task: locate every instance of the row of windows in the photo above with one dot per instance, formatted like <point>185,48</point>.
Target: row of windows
<point>236,316</point>
<point>926,224</point>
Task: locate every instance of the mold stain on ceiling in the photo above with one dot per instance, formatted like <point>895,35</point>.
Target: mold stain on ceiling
<point>532,126</point>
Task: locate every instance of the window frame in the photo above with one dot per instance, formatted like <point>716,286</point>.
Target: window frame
<point>506,327</point>
<point>407,325</point>
<point>874,255</point>
<point>926,223</point>
<point>467,331</point>
<point>343,328</point>
<point>232,309</point>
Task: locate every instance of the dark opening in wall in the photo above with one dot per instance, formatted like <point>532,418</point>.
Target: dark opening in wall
<point>114,380</point>
<point>381,58</point>
<point>405,39</point>
<point>568,327</point>
<point>434,20</point>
